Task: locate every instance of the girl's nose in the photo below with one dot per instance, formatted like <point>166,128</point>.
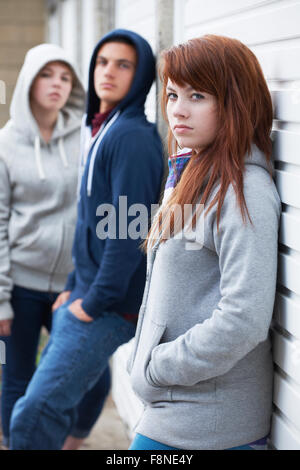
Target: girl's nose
<point>179,109</point>
<point>57,81</point>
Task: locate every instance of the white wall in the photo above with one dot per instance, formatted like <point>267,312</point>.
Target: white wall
<point>139,16</point>
<point>69,28</point>
<point>53,28</point>
<point>88,36</point>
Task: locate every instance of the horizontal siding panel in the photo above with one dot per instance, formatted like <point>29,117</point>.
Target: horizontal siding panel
<point>283,437</point>
<point>289,273</point>
<point>279,63</point>
<point>287,314</point>
<point>286,354</point>
<point>202,11</point>
<point>286,145</point>
<point>280,21</point>
<point>289,234</point>
<point>286,104</point>
<point>288,186</point>
<point>287,399</point>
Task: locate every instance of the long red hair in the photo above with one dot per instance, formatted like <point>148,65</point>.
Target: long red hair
<point>227,69</point>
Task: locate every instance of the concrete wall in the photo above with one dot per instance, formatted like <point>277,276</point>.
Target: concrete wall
<point>22,26</point>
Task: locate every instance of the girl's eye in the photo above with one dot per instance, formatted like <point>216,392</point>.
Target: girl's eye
<point>45,74</point>
<point>198,96</point>
<point>172,96</point>
<point>124,66</point>
<point>66,79</point>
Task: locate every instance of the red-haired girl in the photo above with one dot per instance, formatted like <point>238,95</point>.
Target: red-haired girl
<point>201,361</point>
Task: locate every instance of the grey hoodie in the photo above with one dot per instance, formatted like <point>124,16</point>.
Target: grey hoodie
<point>201,360</point>
<point>38,187</point>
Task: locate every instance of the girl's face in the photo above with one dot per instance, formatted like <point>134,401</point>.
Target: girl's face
<point>192,116</point>
<point>52,86</point>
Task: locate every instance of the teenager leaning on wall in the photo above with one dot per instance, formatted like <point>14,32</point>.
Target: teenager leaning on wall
<point>201,360</point>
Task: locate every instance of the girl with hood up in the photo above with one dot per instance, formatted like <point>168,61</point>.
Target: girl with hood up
<point>39,152</point>
<point>202,361</point>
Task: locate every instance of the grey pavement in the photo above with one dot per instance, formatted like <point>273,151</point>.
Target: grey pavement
<point>109,432</point>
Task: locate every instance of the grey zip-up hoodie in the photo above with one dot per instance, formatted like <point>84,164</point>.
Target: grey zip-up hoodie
<point>201,360</point>
<point>38,187</point>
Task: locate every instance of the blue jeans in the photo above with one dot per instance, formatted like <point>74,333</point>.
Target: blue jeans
<point>73,361</point>
<point>141,442</point>
<point>32,310</point>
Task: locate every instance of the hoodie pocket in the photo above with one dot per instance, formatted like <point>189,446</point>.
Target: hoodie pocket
<point>149,339</point>
<point>38,249</point>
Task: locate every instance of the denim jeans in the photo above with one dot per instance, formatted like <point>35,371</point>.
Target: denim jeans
<point>141,442</point>
<point>73,361</point>
<point>32,310</point>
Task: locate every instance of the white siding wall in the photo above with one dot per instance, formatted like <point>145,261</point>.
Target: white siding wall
<point>69,28</point>
<point>53,29</point>
<point>271,28</point>
<point>88,36</point>
<point>139,16</point>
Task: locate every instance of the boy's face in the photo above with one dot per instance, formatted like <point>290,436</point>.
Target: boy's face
<point>114,72</point>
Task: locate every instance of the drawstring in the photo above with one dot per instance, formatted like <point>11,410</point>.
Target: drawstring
<point>62,152</point>
<point>94,152</point>
<point>38,156</point>
<point>85,136</point>
<point>37,151</point>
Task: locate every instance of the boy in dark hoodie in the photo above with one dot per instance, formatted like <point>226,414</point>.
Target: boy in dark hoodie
<point>97,312</point>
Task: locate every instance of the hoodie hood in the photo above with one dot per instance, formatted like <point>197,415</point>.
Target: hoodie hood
<point>258,158</point>
<point>178,162</point>
<point>20,112</point>
<point>143,78</point>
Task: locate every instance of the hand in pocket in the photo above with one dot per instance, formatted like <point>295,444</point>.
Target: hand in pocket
<point>78,312</point>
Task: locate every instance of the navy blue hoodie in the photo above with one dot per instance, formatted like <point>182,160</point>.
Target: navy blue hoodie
<point>126,159</point>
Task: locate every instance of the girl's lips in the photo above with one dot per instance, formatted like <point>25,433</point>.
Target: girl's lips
<point>181,126</point>
<point>55,96</point>
<point>182,129</point>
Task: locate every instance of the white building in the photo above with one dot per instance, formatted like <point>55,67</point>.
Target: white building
<point>271,28</point>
